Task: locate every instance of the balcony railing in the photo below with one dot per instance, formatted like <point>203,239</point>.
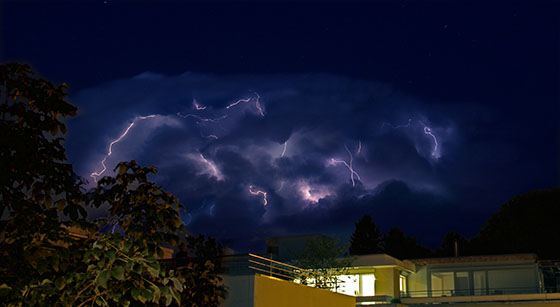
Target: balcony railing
<point>266,266</point>
<point>475,292</point>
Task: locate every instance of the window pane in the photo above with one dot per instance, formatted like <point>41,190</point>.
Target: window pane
<point>349,284</point>
<point>368,285</point>
<point>443,284</point>
<point>462,285</point>
<point>479,282</point>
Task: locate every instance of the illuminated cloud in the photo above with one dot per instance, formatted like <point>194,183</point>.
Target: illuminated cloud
<point>264,148</point>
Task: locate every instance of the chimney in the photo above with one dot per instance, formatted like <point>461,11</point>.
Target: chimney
<point>456,248</point>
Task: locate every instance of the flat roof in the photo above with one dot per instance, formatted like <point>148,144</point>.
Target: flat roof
<point>382,260</point>
<point>484,258</point>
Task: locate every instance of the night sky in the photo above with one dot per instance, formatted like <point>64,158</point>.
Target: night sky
<point>425,115</point>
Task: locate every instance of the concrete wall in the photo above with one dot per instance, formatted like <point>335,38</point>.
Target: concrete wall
<point>418,282</point>
<point>273,292</point>
<point>387,282</point>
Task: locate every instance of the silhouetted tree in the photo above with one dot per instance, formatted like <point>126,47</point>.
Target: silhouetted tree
<point>203,284</point>
<point>366,237</point>
<point>396,244</point>
<point>527,223</point>
<point>452,240</point>
<point>325,256</point>
<point>40,195</point>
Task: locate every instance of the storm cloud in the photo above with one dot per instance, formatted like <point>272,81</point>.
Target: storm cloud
<point>251,156</point>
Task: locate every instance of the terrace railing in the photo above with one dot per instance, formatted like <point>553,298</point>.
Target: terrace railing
<point>473,292</point>
<point>277,269</point>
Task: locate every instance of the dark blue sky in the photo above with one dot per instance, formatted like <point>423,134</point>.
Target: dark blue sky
<point>383,82</point>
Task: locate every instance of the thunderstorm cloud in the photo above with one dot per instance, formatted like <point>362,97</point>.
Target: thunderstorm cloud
<point>251,156</point>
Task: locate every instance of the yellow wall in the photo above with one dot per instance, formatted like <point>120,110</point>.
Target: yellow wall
<point>273,292</point>
<point>387,282</point>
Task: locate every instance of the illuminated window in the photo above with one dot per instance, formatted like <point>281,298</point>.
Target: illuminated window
<point>357,284</point>
<point>402,283</point>
<point>367,284</point>
<point>349,284</point>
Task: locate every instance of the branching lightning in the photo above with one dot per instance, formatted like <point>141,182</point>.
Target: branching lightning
<point>257,103</point>
<point>257,192</point>
<point>427,130</point>
<point>348,165</point>
<point>94,175</point>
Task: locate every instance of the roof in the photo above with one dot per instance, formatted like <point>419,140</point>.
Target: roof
<point>477,259</point>
<point>382,260</point>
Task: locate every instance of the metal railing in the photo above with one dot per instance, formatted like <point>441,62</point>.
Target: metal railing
<point>277,269</point>
<point>473,292</point>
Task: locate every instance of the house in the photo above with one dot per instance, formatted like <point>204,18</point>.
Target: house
<point>493,280</point>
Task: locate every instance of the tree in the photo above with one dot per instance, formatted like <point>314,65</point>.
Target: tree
<point>36,183</point>
<point>41,197</point>
<point>525,224</point>
<point>452,242</point>
<point>202,272</point>
<point>396,244</point>
<point>326,257</point>
<point>366,237</point>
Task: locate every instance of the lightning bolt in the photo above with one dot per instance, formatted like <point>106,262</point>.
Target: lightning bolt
<point>284,150</point>
<point>258,105</point>
<point>94,175</point>
<point>348,165</point>
<point>244,100</point>
<point>197,106</point>
<point>359,148</point>
<point>238,102</point>
<point>202,119</point>
<point>257,192</point>
<point>428,131</point>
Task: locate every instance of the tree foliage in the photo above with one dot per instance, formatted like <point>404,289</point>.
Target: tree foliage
<point>41,198</point>
<point>397,244</point>
<point>328,258</point>
<point>366,237</point>
<point>451,241</point>
<point>202,272</point>
<point>528,223</point>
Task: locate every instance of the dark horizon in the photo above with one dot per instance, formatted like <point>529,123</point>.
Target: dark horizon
<point>447,110</point>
